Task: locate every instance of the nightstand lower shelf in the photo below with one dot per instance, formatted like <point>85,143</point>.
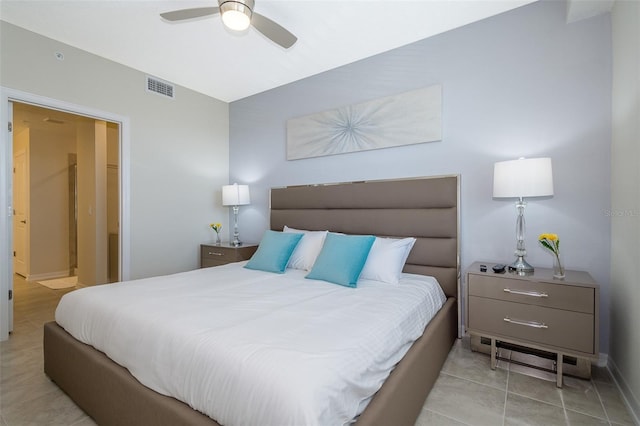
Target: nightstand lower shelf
<point>534,358</point>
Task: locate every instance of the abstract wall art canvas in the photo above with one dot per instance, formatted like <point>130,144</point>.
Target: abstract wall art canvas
<point>404,119</point>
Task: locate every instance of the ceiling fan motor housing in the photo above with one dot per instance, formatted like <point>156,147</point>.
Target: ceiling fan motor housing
<point>243,6</point>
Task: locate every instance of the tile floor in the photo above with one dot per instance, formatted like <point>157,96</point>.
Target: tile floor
<point>27,396</point>
<point>467,392</point>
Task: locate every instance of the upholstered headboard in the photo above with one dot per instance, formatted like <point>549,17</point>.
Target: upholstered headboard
<point>424,208</point>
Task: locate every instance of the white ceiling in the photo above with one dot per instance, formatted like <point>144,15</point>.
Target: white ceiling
<point>203,56</point>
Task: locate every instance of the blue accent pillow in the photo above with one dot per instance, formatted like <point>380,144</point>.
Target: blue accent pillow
<point>274,251</point>
<point>342,258</point>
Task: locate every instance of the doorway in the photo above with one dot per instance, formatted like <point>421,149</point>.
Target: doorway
<point>65,196</point>
<point>8,97</point>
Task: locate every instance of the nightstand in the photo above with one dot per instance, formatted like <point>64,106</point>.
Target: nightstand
<point>213,255</point>
<point>535,311</point>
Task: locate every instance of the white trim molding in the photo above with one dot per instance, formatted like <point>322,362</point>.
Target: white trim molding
<point>630,400</point>
<point>7,96</point>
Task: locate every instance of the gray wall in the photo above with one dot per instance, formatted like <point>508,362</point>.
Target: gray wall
<point>523,83</point>
<point>178,148</point>
<point>625,202</point>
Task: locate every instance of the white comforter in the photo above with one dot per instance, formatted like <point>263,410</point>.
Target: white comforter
<point>252,348</point>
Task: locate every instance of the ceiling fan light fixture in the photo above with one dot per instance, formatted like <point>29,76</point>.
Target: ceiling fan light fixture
<point>236,15</point>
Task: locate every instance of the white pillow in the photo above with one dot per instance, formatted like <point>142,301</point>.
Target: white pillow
<point>386,259</point>
<point>307,250</point>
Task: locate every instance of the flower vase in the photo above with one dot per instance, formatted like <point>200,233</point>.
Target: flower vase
<point>558,268</point>
<point>218,242</point>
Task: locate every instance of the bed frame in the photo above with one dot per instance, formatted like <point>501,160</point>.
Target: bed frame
<point>425,208</point>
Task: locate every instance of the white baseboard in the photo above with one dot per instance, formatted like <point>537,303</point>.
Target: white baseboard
<point>48,275</point>
<point>630,400</point>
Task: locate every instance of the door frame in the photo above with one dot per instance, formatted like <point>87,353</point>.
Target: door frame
<point>7,97</point>
<point>24,152</point>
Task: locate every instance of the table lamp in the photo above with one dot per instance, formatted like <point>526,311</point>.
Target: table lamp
<point>235,195</point>
<point>522,178</point>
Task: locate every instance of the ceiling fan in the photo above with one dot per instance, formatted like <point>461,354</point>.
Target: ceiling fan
<point>237,15</point>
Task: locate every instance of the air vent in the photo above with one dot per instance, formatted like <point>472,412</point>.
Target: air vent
<point>160,87</point>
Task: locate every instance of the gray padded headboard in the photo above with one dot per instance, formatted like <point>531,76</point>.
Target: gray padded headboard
<point>424,208</point>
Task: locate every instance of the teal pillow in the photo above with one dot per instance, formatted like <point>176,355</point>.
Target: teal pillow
<point>274,251</point>
<point>342,258</point>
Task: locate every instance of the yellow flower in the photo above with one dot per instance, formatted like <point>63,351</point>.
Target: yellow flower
<point>551,242</point>
<point>550,237</point>
<point>216,227</point>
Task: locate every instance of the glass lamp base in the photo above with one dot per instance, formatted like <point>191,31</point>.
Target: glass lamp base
<point>521,267</point>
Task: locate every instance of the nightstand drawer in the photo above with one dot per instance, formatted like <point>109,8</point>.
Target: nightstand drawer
<point>535,324</point>
<point>218,254</point>
<point>208,263</point>
<point>502,287</point>
<point>212,255</point>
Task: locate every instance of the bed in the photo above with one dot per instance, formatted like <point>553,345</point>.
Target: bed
<point>424,208</point>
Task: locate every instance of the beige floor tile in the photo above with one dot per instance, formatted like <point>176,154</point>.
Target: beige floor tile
<point>522,411</point>
<point>17,365</point>
<point>466,401</point>
<point>579,419</point>
<point>614,405</point>
<point>51,409</point>
<point>38,386</point>
<point>601,374</point>
<point>22,377</point>
<point>429,418</point>
<point>22,340</point>
<point>475,366</point>
<point>14,358</point>
<point>581,396</point>
<point>535,388</point>
<point>27,396</point>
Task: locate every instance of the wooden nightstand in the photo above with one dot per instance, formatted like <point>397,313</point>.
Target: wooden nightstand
<point>213,255</point>
<point>536,311</point>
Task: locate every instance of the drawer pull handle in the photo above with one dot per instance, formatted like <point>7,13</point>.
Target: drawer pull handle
<point>533,324</point>
<point>526,293</point>
<point>215,253</point>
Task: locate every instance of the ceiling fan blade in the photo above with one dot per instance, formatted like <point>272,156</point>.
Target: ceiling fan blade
<point>273,31</point>
<point>184,14</point>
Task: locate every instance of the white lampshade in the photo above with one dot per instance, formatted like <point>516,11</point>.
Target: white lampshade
<point>530,177</point>
<point>235,195</point>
